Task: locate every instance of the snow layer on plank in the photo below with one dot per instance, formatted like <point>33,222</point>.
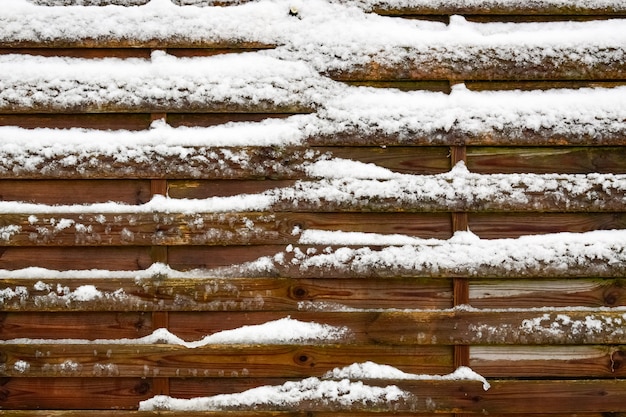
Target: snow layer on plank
<point>455,190</point>
<point>342,393</point>
<point>336,387</point>
<point>66,83</point>
<point>464,254</point>
<point>282,331</point>
<point>329,36</point>
<point>371,370</point>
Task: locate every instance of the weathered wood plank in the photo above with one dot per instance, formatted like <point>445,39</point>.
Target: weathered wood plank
<point>215,361</point>
<point>487,63</point>
<point>127,258</point>
<point>541,293</point>
<point>449,327</point>
<point>526,85</point>
<point>574,160</point>
<point>549,361</point>
<point>490,8</point>
<point>129,121</point>
<point>74,393</point>
<point>213,119</point>
<point>238,413</point>
<point>75,192</point>
<point>212,162</point>
<point>517,397</point>
<point>513,225</point>
<point>141,229</point>
<point>214,294</point>
<point>113,42</point>
<point>75,325</point>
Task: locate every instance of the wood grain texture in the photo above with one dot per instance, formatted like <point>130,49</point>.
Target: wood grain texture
<point>142,229</point>
<point>513,225</point>
<point>561,326</point>
<point>161,293</point>
<point>549,361</point>
<point>564,160</point>
<point>206,162</point>
<point>215,361</point>
<point>102,121</point>
<point>586,292</point>
<point>129,258</point>
<point>75,192</point>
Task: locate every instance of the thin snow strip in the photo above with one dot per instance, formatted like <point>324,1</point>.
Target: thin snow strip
<point>371,370</point>
<point>282,331</point>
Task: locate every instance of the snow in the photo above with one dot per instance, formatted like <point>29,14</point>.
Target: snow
<point>335,388</point>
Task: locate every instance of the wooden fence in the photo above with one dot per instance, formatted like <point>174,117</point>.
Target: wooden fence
<point>548,337</point>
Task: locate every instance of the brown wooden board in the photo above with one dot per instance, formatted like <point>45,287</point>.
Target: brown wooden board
<point>560,326</point>
<point>545,292</point>
<point>75,325</point>
<point>74,393</point>
<point>215,361</point>
<point>564,160</point>
<point>103,121</point>
<point>75,191</point>
<point>141,229</point>
<point>549,361</point>
<point>513,225</point>
<point>219,162</point>
<point>59,258</point>
<point>515,396</point>
<point>161,293</point>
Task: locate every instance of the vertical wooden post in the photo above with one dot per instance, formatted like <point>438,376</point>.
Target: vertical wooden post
<point>160,319</point>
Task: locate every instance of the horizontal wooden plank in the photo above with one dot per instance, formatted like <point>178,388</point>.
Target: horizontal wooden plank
<point>130,121</point>
<point>490,63</point>
<point>540,293</point>
<point>214,294</point>
<point>128,413</point>
<point>113,42</point>
<point>75,192</point>
<point>570,160</point>
<point>127,258</point>
<point>561,326</point>
<point>487,7</point>
<point>206,162</point>
<point>76,325</point>
<point>527,85</point>
<point>549,361</point>
<point>516,397</point>
<point>74,393</point>
<point>143,229</point>
<point>258,361</point>
<point>514,225</point>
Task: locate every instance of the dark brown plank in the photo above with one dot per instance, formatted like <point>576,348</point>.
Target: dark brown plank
<point>575,160</point>
<point>525,85</point>
<point>513,225</point>
<point>75,191</point>
<point>238,413</point>
<point>222,188</point>
<point>105,43</point>
<point>74,393</point>
<point>44,50</point>
<point>215,361</point>
<point>141,229</point>
<point>75,325</point>
<point>60,258</point>
<point>213,119</point>
<point>218,163</point>
<point>525,397</point>
<point>555,293</point>
<point>131,121</point>
<point>161,293</point>
<point>448,327</point>
<point>549,361</point>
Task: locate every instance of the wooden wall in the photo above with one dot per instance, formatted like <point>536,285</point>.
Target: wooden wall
<point>535,375</point>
